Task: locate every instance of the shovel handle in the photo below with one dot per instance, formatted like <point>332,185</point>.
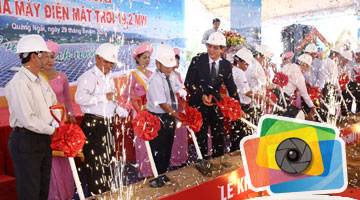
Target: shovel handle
<point>198,152</point>
<point>152,163</point>
<point>249,123</point>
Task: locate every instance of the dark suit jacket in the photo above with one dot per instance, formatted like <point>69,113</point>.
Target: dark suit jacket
<point>198,79</point>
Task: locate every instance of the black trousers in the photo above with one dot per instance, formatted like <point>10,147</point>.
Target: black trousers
<point>98,152</point>
<point>354,88</point>
<point>212,116</point>
<point>32,156</point>
<point>161,145</point>
<point>239,129</point>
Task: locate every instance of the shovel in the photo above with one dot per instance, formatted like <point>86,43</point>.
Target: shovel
<point>353,104</point>
<point>205,167</point>
<point>158,181</point>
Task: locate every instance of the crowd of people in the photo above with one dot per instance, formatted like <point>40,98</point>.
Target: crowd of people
<point>249,79</point>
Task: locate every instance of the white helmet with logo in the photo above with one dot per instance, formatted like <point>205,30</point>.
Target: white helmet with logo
<point>31,43</point>
<point>305,58</point>
<point>264,50</point>
<point>165,55</point>
<point>311,48</point>
<point>245,54</point>
<point>108,52</point>
<point>216,38</point>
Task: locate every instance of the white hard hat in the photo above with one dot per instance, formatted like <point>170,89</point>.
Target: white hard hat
<point>311,48</point>
<point>336,48</point>
<point>31,43</point>
<point>216,38</point>
<point>347,54</point>
<point>264,50</point>
<point>165,55</point>
<point>305,58</point>
<point>108,52</point>
<point>245,54</point>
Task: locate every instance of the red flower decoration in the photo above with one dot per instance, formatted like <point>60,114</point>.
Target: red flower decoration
<point>280,79</point>
<point>230,108</point>
<point>314,93</point>
<point>146,125</point>
<point>191,117</point>
<point>68,138</point>
<point>358,79</point>
<point>343,81</point>
<point>357,76</point>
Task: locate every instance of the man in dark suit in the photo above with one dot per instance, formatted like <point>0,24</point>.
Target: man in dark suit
<point>204,77</point>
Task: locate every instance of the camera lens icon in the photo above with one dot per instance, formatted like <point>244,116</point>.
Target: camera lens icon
<point>293,155</point>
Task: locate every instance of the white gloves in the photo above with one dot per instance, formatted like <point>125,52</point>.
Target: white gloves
<point>55,124</point>
<point>182,93</point>
<point>122,112</point>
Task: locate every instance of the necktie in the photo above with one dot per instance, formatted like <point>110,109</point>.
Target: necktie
<point>213,73</point>
<point>172,96</point>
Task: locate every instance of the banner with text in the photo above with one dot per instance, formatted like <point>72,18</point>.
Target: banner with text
<point>79,26</point>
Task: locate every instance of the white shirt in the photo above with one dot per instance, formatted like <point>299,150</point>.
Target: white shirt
<point>29,99</point>
<point>255,74</point>
<point>242,85</point>
<point>296,80</point>
<point>353,65</point>
<point>331,71</point>
<point>91,92</point>
<point>158,91</point>
<point>315,75</point>
<point>216,64</point>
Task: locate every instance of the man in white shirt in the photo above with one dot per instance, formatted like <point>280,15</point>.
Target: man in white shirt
<point>255,73</point>
<point>161,101</point>
<point>296,81</point>
<point>29,97</point>
<point>350,92</point>
<point>242,59</point>
<point>216,25</point>
<point>315,75</point>
<point>331,87</point>
<point>97,97</point>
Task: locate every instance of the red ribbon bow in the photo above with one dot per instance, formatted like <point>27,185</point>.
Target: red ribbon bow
<point>191,117</point>
<point>68,137</point>
<point>146,125</point>
<point>357,75</point>
<point>280,79</point>
<point>343,80</point>
<point>230,108</point>
<point>314,93</point>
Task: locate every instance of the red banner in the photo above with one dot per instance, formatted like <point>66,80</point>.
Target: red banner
<point>351,134</point>
<point>232,185</point>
